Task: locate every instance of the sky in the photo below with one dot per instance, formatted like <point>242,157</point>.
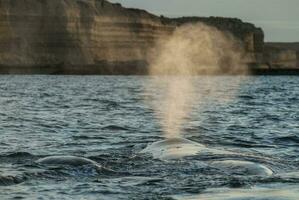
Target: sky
<point>278,18</point>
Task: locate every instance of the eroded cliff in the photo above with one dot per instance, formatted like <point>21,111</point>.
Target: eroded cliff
<point>93,36</point>
<point>290,50</point>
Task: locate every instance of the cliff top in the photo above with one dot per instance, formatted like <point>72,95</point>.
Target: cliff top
<point>285,45</point>
<point>106,8</point>
<point>233,25</point>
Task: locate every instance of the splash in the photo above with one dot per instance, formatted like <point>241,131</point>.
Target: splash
<point>191,50</point>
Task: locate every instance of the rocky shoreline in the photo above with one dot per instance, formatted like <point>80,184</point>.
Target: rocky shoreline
<point>102,38</point>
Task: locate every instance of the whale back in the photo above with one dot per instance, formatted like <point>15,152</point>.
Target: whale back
<point>243,167</point>
<point>174,148</point>
<point>66,160</point>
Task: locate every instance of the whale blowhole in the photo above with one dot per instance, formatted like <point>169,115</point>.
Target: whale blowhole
<point>178,148</point>
<point>173,148</point>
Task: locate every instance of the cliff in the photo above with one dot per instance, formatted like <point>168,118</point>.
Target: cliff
<point>253,37</point>
<point>93,36</point>
<point>291,48</point>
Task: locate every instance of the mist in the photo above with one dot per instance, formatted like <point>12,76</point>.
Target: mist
<point>175,61</point>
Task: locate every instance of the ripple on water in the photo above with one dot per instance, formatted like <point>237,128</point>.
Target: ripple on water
<point>275,192</point>
<point>107,120</point>
<point>115,128</point>
<point>10,180</point>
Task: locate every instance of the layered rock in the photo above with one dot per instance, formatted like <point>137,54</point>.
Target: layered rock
<point>93,36</point>
<point>280,58</point>
<point>286,52</point>
<point>251,36</point>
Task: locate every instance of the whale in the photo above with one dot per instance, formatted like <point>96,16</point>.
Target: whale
<point>239,167</point>
<point>73,161</point>
<point>174,148</point>
<point>178,148</point>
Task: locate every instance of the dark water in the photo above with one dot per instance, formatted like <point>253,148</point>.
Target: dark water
<point>106,119</point>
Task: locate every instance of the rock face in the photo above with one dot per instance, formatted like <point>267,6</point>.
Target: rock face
<point>93,36</point>
<point>75,36</point>
<point>280,58</point>
<point>288,51</point>
<point>251,36</point>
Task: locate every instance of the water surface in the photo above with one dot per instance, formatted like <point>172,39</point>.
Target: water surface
<point>107,120</point>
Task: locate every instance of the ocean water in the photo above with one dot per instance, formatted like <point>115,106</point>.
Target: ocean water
<point>106,119</point>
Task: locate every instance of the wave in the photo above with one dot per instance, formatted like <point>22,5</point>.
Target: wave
<point>17,155</point>
<point>10,180</point>
<point>109,103</point>
<point>84,137</point>
<point>288,139</point>
<point>115,128</point>
<point>249,97</point>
